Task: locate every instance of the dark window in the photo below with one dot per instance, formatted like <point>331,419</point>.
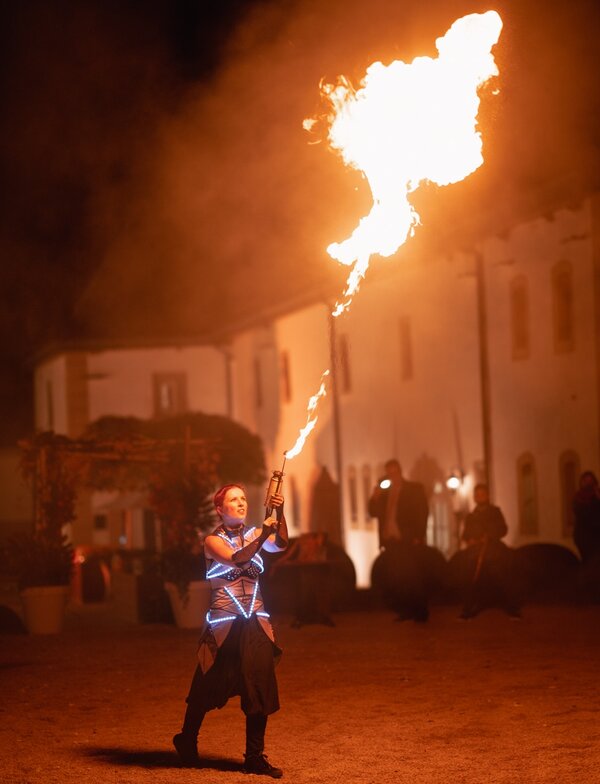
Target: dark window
<point>353,495</point>
<point>562,306</point>
<point>49,406</point>
<point>367,487</point>
<point>344,364</point>
<point>569,469</point>
<point>295,499</point>
<point>286,383</point>
<point>527,488</point>
<point>258,388</point>
<point>170,394</point>
<point>100,522</point>
<point>406,354</point>
<point>519,318</point>
<point>149,523</point>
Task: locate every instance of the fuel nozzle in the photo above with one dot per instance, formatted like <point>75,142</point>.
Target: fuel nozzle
<point>275,485</point>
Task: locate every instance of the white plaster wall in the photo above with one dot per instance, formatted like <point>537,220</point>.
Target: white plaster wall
<point>120,381</point>
<point>544,404</point>
<point>304,336</point>
<point>434,417</point>
<point>430,422</point>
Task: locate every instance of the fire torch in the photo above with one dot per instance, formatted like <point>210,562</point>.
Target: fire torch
<point>275,485</point>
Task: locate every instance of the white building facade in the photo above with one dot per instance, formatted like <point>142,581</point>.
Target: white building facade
<point>481,364</point>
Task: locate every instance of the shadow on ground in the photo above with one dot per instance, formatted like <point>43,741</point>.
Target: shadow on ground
<point>147,758</point>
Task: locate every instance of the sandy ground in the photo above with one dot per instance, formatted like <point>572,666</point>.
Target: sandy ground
<point>490,700</point>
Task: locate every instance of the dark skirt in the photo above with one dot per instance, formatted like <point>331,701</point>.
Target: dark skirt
<point>244,666</point>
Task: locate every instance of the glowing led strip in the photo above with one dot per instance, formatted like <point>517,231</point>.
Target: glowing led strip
<point>239,606</point>
<point>213,621</point>
<point>214,570</point>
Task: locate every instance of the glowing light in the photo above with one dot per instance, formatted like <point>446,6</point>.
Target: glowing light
<point>239,605</point>
<point>407,124</point>
<point>454,481</point>
<point>385,484</point>
<point>218,570</point>
<point>223,619</point>
<point>311,420</point>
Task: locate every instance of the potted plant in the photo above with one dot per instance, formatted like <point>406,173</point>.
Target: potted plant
<point>186,457</point>
<point>181,496</point>
<point>42,563</point>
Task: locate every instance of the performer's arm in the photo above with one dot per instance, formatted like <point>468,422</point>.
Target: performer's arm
<point>219,550</point>
<point>374,503</point>
<point>279,541</point>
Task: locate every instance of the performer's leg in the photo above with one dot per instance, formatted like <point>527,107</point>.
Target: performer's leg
<point>185,742</point>
<point>192,721</point>
<point>255,734</point>
<point>256,761</point>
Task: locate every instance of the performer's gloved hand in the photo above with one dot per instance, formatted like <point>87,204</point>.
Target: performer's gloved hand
<point>269,527</point>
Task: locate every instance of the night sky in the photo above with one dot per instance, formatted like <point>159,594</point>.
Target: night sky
<point>158,182</point>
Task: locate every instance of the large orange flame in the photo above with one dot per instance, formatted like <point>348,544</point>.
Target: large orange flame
<point>406,124</point>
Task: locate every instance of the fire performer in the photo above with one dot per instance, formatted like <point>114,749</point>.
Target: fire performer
<point>237,650</point>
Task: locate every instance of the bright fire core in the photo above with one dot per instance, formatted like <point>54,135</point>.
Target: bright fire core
<point>408,123</point>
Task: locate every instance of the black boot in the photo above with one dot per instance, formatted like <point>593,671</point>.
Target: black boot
<point>261,766</point>
<point>186,741</point>
<point>255,760</point>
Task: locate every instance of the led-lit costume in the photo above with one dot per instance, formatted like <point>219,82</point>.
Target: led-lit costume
<point>236,651</point>
<point>235,593</point>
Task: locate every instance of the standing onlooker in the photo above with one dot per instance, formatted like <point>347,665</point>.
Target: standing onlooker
<point>401,509</point>
<point>586,506</point>
<point>490,559</point>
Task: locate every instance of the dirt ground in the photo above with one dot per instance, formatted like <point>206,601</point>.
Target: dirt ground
<point>372,700</point>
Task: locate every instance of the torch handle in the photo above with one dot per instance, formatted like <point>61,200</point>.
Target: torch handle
<point>275,484</point>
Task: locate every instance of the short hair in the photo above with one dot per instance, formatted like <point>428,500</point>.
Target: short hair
<point>392,461</point>
<point>481,486</point>
<point>219,496</point>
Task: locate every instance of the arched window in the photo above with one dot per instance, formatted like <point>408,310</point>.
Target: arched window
<point>286,383</point>
<point>295,499</point>
<point>367,487</point>
<point>562,307</point>
<point>406,353</point>
<point>344,364</point>
<point>527,489</point>
<point>258,383</point>
<point>569,470</point>
<point>519,317</point>
<point>353,496</point>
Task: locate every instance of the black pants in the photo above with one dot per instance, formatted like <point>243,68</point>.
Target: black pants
<point>244,666</point>
<point>492,583</point>
<point>256,725</point>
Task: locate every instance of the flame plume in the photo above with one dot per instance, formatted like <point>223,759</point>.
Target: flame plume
<point>406,124</point>
<point>311,420</point>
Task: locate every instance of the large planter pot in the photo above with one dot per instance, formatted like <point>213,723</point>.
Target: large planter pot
<point>44,608</point>
<point>190,612</point>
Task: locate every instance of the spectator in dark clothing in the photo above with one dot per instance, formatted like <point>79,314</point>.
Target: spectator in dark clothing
<point>586,507</point>
<point>401,510</point>
<point>490,560</point>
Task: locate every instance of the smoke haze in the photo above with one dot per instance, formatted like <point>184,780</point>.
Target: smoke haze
<point>158,181</point>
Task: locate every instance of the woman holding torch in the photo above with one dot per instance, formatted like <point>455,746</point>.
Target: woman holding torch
<point>237,651</point>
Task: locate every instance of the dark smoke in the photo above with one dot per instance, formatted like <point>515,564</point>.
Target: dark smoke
<point>159,182</point>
